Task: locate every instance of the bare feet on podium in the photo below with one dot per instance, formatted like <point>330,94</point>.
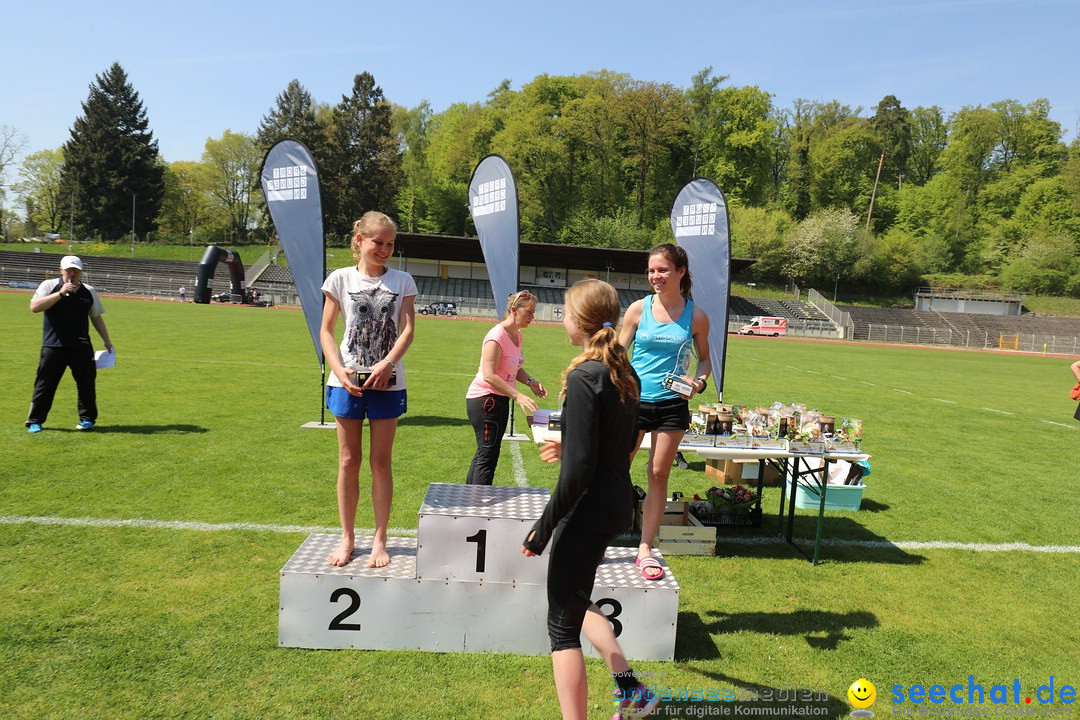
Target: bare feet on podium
<point>379,557</point>
<point>343,554</point>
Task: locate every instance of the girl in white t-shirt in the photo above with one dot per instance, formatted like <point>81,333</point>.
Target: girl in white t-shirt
<point>367,378</point>
<point>502,366</point>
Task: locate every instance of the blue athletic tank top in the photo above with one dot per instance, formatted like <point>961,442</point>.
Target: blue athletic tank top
<point>656,348</point>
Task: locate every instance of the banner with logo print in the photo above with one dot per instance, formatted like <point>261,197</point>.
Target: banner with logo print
<point>290,184</point>
<point>699,219</point>
<point>493,203</point>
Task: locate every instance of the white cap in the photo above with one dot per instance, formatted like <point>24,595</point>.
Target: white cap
<point>70,261</point>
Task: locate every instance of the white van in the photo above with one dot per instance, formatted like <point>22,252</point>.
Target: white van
<point>774,326</point>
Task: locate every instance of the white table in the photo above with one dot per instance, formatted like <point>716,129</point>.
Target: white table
<point>793,465</point>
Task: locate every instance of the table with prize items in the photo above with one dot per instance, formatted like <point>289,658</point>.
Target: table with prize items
<point>797,470</point>
<point>463,585</point>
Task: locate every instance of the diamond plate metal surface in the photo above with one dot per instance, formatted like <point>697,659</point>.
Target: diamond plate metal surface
<point>620,570</point>
<point>490,501</point>
<point>310,558</point>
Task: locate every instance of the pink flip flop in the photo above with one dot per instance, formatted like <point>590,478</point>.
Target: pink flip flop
<point>651,569</point>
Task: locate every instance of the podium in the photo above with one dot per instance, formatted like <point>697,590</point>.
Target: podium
<point>463,586</point>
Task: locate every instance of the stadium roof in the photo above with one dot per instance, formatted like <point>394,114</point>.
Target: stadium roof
<point>576,257</point>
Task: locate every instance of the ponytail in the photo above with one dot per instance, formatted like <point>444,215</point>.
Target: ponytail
<point>594,305</point>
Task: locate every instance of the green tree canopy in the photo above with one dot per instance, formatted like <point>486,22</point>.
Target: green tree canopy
<point>112,168</point>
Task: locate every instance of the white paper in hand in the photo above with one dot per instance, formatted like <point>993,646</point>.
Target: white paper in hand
<point>104,359</point>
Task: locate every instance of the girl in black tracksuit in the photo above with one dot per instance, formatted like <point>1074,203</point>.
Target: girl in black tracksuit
<point>593,501</point>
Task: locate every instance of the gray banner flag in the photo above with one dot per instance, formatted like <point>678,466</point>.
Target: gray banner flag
<point>290,184</point>
<point>493,203</point>
<point>699,219</point>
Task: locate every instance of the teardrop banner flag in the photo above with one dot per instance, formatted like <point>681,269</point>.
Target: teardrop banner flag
<point>699,219</point>
<point>290,184</point>
<point>493,203</point>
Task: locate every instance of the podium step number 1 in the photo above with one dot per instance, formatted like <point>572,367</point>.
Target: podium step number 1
<point>463,586</point>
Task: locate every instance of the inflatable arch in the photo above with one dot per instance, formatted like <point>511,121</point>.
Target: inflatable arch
<point>204,277</point>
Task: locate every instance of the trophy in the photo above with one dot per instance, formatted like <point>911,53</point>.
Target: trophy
<point>674,380</point>
<point>359,375</point>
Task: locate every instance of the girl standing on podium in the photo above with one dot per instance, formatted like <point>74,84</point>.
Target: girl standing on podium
<point>661,328</point>
<point>593,500</point>
<point>502,366</point>
<point>367,378</point>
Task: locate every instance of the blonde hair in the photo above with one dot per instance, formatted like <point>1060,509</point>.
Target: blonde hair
<point>517,300</point>
<point>366,226</point>
<point>594,306</point>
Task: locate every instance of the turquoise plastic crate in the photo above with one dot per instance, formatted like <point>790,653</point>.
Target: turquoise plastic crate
<point>837,497</point>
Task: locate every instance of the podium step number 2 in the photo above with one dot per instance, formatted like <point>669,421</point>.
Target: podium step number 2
<point>462,586</point>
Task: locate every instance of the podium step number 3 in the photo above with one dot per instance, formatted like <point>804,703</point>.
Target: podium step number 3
<point>462,586</point>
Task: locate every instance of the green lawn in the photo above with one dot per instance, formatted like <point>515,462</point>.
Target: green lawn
<point>200,423</point>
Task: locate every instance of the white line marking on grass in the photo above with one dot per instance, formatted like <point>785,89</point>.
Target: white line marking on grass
<point>813,372</point>
<point>411,532</point>
<point>839,377</point>
<point>912,545</point>
<point>868,383</point>
<point>1001,412</point>
<point>1051,422</point>
<point>951,402</point>
<point>183,525</point>
<point>906,392</point>
<point>519,465</point>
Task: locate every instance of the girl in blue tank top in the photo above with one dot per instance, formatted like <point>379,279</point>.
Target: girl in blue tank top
<point>656,329</point>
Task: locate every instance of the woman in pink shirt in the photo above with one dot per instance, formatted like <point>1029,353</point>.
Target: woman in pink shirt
<point>488,399</point>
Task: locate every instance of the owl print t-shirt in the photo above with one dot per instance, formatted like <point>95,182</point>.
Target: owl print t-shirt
<point>372,310</point>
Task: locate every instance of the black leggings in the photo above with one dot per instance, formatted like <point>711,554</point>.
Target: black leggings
<point>575,555</point>
<point>488,415</point>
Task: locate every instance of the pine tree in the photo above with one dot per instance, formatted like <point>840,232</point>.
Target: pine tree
<point>293,116</point>
<point>364,158</point>
<point>111,161</point>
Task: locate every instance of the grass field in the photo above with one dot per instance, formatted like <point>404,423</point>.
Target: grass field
<point>200,424</point>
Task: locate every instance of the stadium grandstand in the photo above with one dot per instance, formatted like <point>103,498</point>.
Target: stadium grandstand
<point>451,269</point>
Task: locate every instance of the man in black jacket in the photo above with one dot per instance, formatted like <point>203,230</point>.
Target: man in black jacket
<point>70,306</point>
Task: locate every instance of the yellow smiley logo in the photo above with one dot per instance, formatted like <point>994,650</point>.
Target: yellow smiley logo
<point>862,693</point>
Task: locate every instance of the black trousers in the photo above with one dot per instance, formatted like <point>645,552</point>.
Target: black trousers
<point>488,415</point>
<point>51,366</point>
<point>575,555</point>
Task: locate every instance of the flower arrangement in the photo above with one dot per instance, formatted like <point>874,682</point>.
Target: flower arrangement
<point>735,498</point>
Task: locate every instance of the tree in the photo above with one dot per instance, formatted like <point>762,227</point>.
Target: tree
<point>232,166</point>
<point>293,116</point>
<point>111,163</point>
<point>11,144</point>
<point>653,117</point>
<point>187,204</point>
<point>39,188</point>
<point>364,157</point>
<point>890,124</point>
<point>929,137</point>
<point>823,246</point>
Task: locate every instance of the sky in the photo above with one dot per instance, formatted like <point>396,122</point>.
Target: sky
<point>203,67</point>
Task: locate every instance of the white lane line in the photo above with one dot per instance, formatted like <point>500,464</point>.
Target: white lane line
<point>813,372</point>
<point>519,465</point>
<point>183,525</point>
<point>1001,412</point>
<point>867,383</point>
<point>411,532</point>
<point>911,545</point>
<point>906,392</point>
<point>839,377</point>
<point>951,402</point>
<point>1051,422</point>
